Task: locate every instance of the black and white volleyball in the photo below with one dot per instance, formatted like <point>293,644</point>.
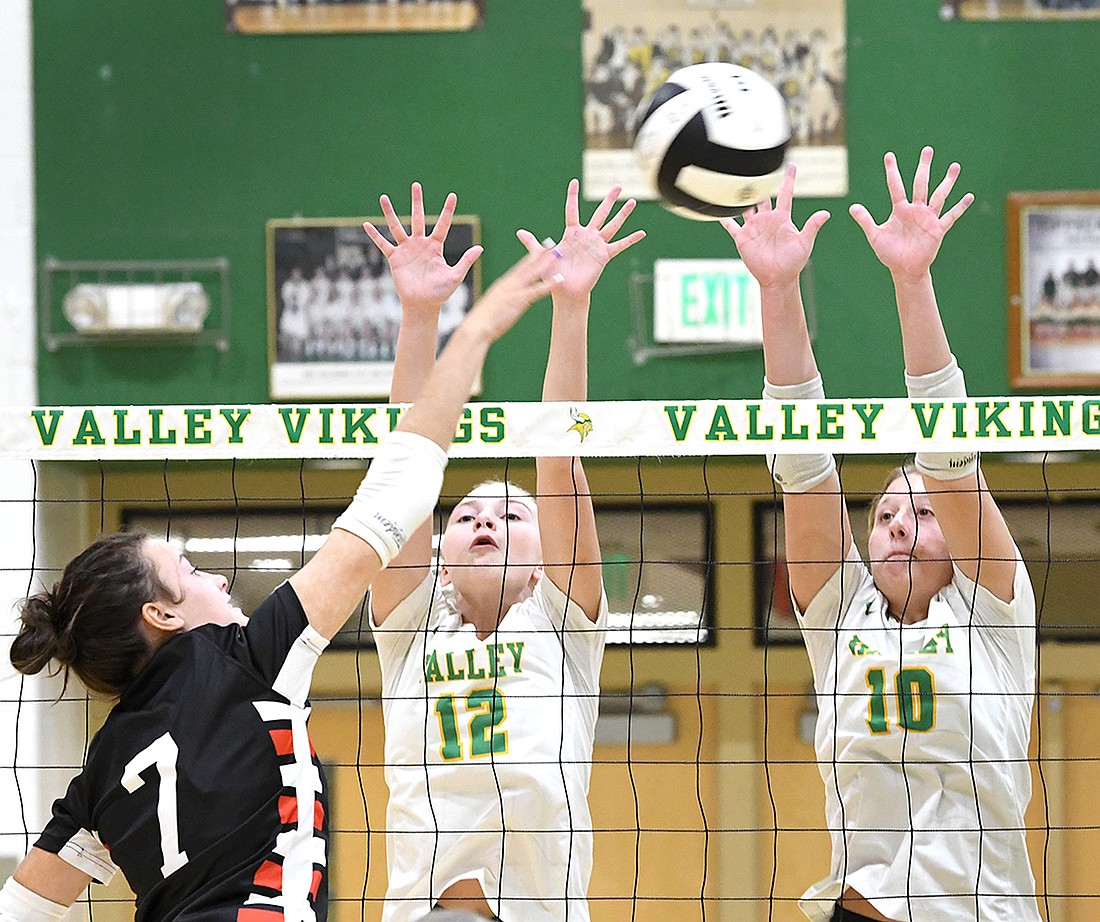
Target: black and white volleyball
<point>712,139</point>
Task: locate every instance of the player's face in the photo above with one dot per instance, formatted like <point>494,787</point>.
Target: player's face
<point>909,556</point>
<point>488,529</point>
<point>198,597</point>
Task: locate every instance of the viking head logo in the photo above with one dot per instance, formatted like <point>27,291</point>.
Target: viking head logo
<point>582,423</point>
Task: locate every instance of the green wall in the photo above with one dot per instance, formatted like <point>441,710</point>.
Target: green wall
<point>160,136</point>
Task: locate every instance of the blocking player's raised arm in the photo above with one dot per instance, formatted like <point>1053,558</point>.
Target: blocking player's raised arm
<point>424,281</point>
<point>402,485</point>
<point>907,243</point>
<point>775,251</point>
<point>567,523</point>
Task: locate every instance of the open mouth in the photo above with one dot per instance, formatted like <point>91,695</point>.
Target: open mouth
<point>483,541</point>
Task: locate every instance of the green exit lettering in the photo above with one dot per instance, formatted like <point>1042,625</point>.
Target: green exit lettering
<point>714,301</point>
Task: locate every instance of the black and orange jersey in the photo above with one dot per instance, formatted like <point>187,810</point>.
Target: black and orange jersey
<point>202,786</point>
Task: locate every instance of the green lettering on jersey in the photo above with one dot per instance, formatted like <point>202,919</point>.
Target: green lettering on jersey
<point>517,654</point>
<point>431,668</point>
<point>859,648</point>
<point>933,644</point>
<point>496,651</point>
<point>452,673</point>
<point>479,673</point>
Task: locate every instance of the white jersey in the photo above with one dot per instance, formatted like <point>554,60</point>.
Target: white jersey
<point>488,754</point>
<point>922,742</point>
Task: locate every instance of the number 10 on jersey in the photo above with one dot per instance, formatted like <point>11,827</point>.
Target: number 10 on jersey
<point>915,696</point>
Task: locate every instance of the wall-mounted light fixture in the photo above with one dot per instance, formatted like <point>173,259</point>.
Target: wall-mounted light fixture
<point>98,302</point>
<point>168,307</point>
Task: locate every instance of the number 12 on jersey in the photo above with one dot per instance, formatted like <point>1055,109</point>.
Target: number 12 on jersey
<point>485,712</point>
<point>915,694</point>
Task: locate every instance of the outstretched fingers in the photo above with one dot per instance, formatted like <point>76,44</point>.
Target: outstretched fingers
<point>943,190</point>
<point>417,222</point>
<point>956,211</point>
<point>895,185</point>
<point>604,208</point>
<point>612,227</point>
<point>920,180</point>
<point>785,196</point>
<point>392,221</point>
<point>813,224</point>
<point>466,261</point>
<point>572,204</point>
<point>379,240</point>
<point>529,240</point>
<point>863,218</point>
<point>443,223</point>
<point>614,249</point>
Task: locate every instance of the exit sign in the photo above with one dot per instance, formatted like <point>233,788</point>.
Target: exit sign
<point>705,301</point>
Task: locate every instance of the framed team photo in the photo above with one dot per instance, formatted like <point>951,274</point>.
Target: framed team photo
<point>333,310</point>
<point>630,47</point>
<point>1020,9</point>
<point>1053,248</point>
<point>283,17</point>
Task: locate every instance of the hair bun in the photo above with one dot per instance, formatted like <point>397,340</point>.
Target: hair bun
<point>39,639</point>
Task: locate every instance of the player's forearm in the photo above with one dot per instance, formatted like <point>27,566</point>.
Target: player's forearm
<point>415,355</point>
<point>924,341</point>
<point>447,388</point>
<point>566,375</point>
<point>788,354</point>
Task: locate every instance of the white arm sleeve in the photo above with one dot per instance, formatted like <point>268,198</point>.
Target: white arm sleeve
<point>18,904</point>
<point>798,473</point>
<point>945,384</point>
<point>399,492</point>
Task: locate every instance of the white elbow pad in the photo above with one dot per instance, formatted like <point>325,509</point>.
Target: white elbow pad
<point>399,492</point>
<point>18,904</point>
<point>798,473</point>
<point>946,384</point>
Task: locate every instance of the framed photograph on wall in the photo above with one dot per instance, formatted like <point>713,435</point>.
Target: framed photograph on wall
<point>1053,250</point>
<point>333,311</point>
<point>282,17</point>
<point>630,47</point>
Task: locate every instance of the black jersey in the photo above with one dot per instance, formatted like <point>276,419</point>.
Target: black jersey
<point>202,785</point>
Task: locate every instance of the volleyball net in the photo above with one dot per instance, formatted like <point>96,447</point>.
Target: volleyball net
<point>706,798</point>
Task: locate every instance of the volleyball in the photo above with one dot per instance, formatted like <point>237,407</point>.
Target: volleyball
<point>712,139</point>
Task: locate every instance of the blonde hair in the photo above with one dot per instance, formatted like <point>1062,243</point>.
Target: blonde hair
<point>508,490</point>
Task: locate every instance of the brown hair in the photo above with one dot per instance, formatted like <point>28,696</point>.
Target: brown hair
<point>90,621</point>
<point>908,471</point>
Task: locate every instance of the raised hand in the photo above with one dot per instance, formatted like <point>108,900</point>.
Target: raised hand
<point>508,298</point>
<point>908,241</point>
<point>420,273</point>
<point>772,248</point>
<point>586,248</point>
